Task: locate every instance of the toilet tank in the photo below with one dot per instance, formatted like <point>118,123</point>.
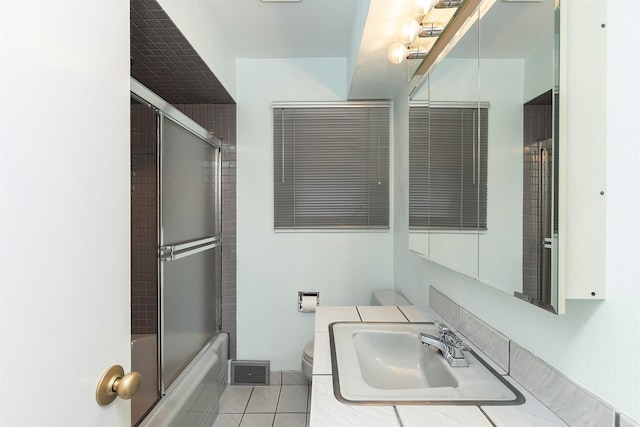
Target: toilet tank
<point>388,297</point>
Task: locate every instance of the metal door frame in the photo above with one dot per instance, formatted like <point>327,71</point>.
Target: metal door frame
<point>173,252</point>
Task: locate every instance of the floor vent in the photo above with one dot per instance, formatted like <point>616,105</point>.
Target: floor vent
<point>250,372</point>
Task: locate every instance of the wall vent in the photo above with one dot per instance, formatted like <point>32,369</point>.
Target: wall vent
<point>250,372</point>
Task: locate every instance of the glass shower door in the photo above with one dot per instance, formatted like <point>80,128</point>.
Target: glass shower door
<point>190,270</point>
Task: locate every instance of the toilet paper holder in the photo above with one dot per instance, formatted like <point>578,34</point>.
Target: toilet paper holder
<point>305,295</point>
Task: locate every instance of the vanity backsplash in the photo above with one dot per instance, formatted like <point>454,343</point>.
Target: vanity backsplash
<point>572,403</point>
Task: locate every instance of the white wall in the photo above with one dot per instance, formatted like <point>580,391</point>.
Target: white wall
<point>272,267</point>
<point>197,21</point>
<point>595,343</point>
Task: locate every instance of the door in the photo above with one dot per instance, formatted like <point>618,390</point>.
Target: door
<point>64,210</point>
<point>189,244</point>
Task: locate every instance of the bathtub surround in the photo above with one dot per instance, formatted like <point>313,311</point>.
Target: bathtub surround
<point>144,221</point>
<point>194,398</point>
<point>575,405</point>
<point>165,61</point>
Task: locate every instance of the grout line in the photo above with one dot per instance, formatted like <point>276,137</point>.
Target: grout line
<point>395,409</point>
<point>248,400</point>
<point>403,313</point>
<point>277,402</point>
<point>487,416</point>
<point>509,358</point>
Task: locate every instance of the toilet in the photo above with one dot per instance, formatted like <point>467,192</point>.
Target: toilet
<point>378,297</point>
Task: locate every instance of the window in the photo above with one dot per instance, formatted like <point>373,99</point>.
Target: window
<point>448,166</point>
<point>331,165</point>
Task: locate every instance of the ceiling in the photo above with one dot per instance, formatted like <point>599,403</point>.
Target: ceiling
<point>359,30</point>
<point>309,28</point>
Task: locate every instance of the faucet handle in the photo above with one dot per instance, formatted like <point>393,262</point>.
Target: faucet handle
<point>444,329</point>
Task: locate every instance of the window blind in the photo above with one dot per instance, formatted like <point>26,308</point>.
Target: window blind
<point>331,166</point>
<point>448,167</point>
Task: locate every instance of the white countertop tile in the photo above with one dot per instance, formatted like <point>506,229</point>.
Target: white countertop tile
<point>531,413</point>
<point>326,315</point>
<point>442,416</point>
<point>381,314</point>
<point>417,314</point>
<point>627,422</point>
<point>326,411</point>
<point>322,354</point>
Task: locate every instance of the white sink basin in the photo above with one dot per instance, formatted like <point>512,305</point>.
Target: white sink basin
<point>386,363</point>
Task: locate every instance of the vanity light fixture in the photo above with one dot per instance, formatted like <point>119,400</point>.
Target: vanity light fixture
<point>398,52</point>
<point>448,3</point>
<point>422,7</point>
<point>413,29</point>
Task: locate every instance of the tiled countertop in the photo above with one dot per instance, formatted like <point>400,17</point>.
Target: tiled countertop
<point>327,411</point>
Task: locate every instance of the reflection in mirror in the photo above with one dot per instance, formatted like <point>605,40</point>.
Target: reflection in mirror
<point>446,163</point>
<point>511,55</point>
<point>539,201</point>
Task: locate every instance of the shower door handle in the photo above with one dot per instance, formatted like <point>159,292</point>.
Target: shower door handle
<point>547,243</point>
<point>174,252</point>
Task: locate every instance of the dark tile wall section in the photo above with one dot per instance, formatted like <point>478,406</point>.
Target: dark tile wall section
<point>144,224</point>
<point>220,119</point>
<point>164,61</point>
<point>537,127</point>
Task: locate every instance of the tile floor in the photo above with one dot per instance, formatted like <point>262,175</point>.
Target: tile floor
<point>284,403</point>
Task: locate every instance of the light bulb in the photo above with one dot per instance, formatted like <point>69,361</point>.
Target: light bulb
<point>397,53</point>
<point>410,31</point>
<point>422,7</point>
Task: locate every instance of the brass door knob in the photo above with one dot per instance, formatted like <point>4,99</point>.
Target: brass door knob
<point>114,383</point>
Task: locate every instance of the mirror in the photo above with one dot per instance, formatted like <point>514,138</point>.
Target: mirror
<point>444,184</point>
<point>505,68</point>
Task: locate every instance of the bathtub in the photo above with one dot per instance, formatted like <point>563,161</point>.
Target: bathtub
<point>193,397</point>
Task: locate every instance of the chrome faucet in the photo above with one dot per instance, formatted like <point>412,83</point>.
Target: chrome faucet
<point>449,345</point>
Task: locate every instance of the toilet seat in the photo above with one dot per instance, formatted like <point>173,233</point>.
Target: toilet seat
<point>308,351</point>
<point>307,360</point>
